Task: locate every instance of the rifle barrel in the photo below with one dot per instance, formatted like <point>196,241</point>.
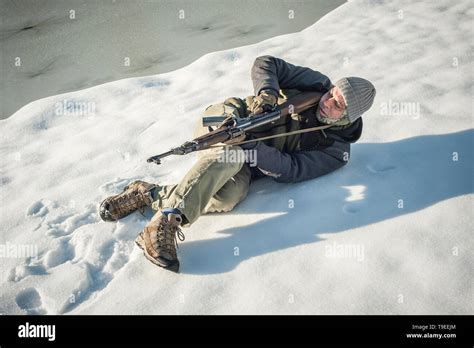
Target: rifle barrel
<point>156,159</point>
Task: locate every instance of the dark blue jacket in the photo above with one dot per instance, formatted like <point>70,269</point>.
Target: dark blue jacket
<point>326,151</point>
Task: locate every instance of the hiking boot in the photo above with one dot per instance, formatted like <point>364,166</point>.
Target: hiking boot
<point>158,240</point>
<point>135,196</point>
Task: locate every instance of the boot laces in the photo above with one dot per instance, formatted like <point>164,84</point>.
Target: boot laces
<point>167,234</point>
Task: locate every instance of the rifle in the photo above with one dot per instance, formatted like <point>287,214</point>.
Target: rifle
<point>294,105</point>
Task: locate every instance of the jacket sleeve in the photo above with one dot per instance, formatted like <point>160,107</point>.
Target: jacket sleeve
<point>300,166</point>
<point>271,73</point>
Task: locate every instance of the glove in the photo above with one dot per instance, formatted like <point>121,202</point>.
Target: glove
<point>262,102</point>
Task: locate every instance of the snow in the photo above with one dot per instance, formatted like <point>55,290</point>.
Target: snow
<point>390,233</point>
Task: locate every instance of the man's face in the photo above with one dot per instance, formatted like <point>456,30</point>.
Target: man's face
<point>332,104</point>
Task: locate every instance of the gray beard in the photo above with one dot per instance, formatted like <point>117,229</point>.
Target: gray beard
<point>326,120</point>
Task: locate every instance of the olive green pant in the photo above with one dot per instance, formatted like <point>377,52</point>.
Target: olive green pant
<point>211,185</point>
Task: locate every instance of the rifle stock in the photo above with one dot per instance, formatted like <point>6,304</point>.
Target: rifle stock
<point>300,102</point>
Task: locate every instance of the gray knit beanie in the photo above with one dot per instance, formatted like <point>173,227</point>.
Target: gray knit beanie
<point>358,94</point>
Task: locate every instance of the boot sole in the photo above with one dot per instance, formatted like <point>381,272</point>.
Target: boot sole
<point>174,267</point>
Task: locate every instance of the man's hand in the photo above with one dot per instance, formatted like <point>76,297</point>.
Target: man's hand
<point>262,102</point>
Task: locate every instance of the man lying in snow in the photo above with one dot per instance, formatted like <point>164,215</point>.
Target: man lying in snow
<point>214,185</point>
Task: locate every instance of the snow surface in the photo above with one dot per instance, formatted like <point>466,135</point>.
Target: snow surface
<point>401,209</point>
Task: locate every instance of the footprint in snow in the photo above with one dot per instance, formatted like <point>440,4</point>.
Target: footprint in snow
<point>29,300</point>
<point>61,222</point>
<point>38,208</point>
<point>30,267</point>
<point>115,255</point>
